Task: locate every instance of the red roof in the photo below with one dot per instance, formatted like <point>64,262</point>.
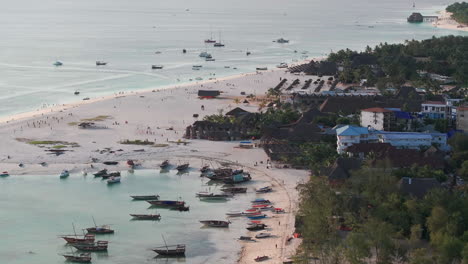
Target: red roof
<point>377,110</point>
<point>434,102</point>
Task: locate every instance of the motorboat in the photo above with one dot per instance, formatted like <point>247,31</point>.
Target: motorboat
<point>282,40</point>
<point>58,63</point>
<point>145,197</point>
<point>263,235</point>
<point>204,54</point>
<point>146,216</point>
<point>282,65</point>
<point>101,63</point>
<point>261,68</point>
<point>78,257</point>
<point>113,179</point>
<point>157,67</point>
<point>4,174</point>
<point>215,223</point>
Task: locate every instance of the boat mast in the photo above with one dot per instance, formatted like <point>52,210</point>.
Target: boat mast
<point>94,222</point>
<point>165,242</point>
<point>74,231</point>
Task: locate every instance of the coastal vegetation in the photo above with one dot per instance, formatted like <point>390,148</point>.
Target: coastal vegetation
<point>136,142</point>
<point>367,219</point>
<point>392,65</point>
<point>459,12</point>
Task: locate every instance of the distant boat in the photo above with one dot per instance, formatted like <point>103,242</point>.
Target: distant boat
<point>157,67</point>
<point>282,40</point>
<point>86,99</point>
<point>263,235</point>
<point>111,174</point>
<point>146,216</point>
<point>184,51</point>
<point>173,250</point>
<point>248,53</point>
<point>58,63</point>
<point>97,246</point>
<point>78,257</point>
<point>145,197</point>
<point>255,227</point>
<point>209,59</point>
<point>100,173</point>
<point>86,239</point>
<point>76,93</point>
<point>210,40</point>
<point>182,167</point>
<point>101,63</point>
<point>261,68</point>
<point>157,52</point>
<point>246,238</point>
<point>215,223</point>
<point>113,180</point>
<point>103,229</point>
<point>4,174</point>
<point>64,174</point>
<point>282,65</point>
<point>234,190</point>
<point>257,216</point>
<point>219,43</point>
<point>204,54</point>
<point>262,258</point>
<point>264,189</point>
<point>164,164</point>
<point>167,203</point>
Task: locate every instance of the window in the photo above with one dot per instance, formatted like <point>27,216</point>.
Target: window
<point>425,107</point>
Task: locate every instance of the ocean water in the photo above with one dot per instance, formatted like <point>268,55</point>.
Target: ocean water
<point>36,209</point>
<point>126,34</point>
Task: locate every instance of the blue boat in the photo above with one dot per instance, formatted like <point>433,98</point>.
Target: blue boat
<point>4,174</point>
<point>64,174</point>
<point>257,216</point>
<point>258,200</point>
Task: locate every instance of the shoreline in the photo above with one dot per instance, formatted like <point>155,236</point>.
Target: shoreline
<point>446,21</point>
<point>161,117</point>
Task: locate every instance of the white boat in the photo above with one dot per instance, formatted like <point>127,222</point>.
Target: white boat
<point>263,235</point>
<point>282,40</point>
<point>157,67</point>
<point>233,214</point>
<point>282,65</point>
<point>113,179</point>
<point>58,63</point>
<point>204,54</point>
<point>64,174</point>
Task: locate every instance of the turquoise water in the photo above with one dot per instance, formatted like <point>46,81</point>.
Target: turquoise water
<point>126,34</point>
<point>36,209</point>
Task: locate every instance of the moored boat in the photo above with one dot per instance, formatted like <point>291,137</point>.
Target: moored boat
<point>282,40</point>
<point>58,63</point>
<point>204,54</point>
<point>182,167</point>
<point>101,63</point>
<point>64,174</point>
<point>146,216</point>
<point>157,67</point>
<point>261,68</point>
<point>131,164</point>
<point>282,65</point>
<point>257,216</point>
<point>113,180</point>
<point>263,235</point>
<point>104,229</point>
<point>4,174</point>
<point>164,164</point>
<point>78,257</point>
<point>167,203</point>
<point>246,238</point>
<point>86,239</point>
<point>172,250</point>
<point>96,246</point>
<point>100,173</point>
<point>215,223</point>
<point>145,197</point>
<point>255,227</point>
<point>261,258</point>
<point>111,174</point>
<point>264,189</point>
<point>234,190</point>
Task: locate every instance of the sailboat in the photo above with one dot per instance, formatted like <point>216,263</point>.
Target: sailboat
<point>219,44</point>
<point>210,40</point>
<point>173,250</point>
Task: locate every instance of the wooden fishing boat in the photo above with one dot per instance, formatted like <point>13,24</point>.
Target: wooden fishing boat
<point>110,162</point>
<point>146,216</point>
<point>264,189</point>
<point>164,164</point>
<point>234,190</point>
<point>171,250</point>
<point>257,216</point>
<point>101,63</point>
<point>182,167</point>
<point>262,258</point>
<point>264,202</point>
<point>78,257</point>
<point>97,246</point>
<point>167,203</point>
<point>234,214</point>
<point>86,239</point>
<point>263,235</point>
<point>100,173</point>
<point>215,223</point>
<point>246,238</point>
<point>213,196</point>
<point>4,174</point>
<point>104,229</point>
<point>111,174</point>
<point>256,227</point>
<point>145,197</point>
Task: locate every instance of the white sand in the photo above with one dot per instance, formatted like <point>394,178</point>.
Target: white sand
<point>148,115</point>
<point>446,21</point>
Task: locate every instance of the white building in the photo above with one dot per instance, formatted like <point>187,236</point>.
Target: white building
<point>349,135</point>
<point>377,118</point>
<point>435,110</point>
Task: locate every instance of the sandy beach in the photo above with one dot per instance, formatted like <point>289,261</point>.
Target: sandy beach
<point>159,115</point>
<point>446,21</point>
